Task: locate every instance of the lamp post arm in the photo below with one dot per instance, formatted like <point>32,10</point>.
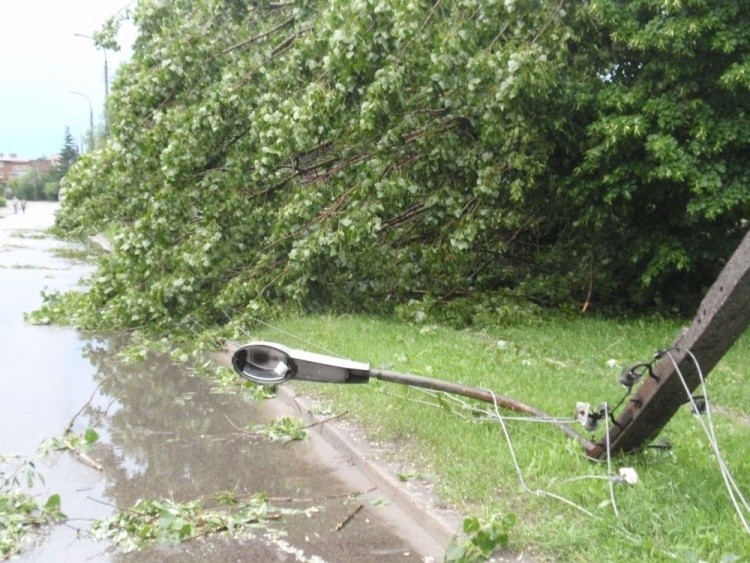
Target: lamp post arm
<point>106,76</point>
<point>483,395</point>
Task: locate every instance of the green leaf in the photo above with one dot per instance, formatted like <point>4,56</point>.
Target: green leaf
<point>53,503</point>
<point>90,436</point>
<point>52,507</point>
<point>454,553</point>
<point>471,525</point>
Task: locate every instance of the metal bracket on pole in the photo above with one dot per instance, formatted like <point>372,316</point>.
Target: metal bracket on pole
<point>722,317</point>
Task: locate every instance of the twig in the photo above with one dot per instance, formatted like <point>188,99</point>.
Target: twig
<point>286,43</point>
<point>349,518</point>
<point>265,35</point>
<point>334,417</point>
<point>548,22</point>
<point>446,125</point>
<point>429,16</point>
<point>590,293</point>
<point>14,475</point>
<point>106,410</point>
<point>237,428</point>
<point>87,403</point>
<point>290,440</point>
<point>355,494</point>
<point>104,502</point>
<point>82,456</point>
<point>498,36</point>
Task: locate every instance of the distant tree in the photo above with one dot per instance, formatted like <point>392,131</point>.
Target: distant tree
<point>30,185</point>
<point>68,156</point>
<point>51,189</point>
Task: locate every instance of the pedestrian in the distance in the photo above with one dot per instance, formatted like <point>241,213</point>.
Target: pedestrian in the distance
<point>15,204</point>
<point>23,205</point>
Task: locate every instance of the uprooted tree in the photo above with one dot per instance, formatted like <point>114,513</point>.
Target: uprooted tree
<point>367,154</point>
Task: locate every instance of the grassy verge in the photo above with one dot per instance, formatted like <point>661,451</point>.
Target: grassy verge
<point>679,509</point>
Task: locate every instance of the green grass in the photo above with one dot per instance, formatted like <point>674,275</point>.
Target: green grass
<point>679,509</point>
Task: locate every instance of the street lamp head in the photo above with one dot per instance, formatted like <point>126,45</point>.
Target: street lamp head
<point>82,95</point>
<point>91,118</point>
<point>269,363</point>
<point>106,69</point>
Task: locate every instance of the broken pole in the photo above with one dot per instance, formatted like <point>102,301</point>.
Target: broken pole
<point>722,317</point>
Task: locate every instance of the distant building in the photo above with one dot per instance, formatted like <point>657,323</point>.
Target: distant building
<point>12,167</point>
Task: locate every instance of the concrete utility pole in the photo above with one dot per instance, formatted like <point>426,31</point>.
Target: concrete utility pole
<point>722,317</point>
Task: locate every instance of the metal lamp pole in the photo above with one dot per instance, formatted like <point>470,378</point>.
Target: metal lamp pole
<point>269,363</point>
<point>91,119</point>
<point>106,78</point>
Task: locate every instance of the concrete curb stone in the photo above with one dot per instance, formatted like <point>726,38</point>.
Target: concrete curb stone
<point>413,498</point>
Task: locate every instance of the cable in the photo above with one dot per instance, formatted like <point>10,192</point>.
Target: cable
<point>709,417</point>
<point>537,492</point>
<point>712,429</point>
<point>297,338</point>
<point>731,485</point>
<point>630,376</point>
<point>474,409</point>
<point>710,432</point>
<point>609,460</point>
<point>421,402</point>
<point>621,401</point>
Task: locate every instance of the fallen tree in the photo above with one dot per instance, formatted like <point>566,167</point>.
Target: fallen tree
<point>371,155</point>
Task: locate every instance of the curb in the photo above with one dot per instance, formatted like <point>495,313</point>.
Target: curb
<point>413,498</point>
<point>100,241</point>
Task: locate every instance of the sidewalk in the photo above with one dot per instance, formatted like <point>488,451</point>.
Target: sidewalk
<point>38,215</point>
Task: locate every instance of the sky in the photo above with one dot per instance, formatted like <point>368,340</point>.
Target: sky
<point>42,61</point>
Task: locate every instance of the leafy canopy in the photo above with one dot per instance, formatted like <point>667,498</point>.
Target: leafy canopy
<point>365,154</point>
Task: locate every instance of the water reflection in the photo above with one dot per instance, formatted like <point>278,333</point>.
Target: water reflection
<point>165,434</point>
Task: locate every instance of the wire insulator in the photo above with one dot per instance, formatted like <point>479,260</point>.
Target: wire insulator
<point>699,405</point>
<point>631,375</point>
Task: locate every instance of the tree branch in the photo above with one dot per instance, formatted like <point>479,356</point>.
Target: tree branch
<point>289,21</point>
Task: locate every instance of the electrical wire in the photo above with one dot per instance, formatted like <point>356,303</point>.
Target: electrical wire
<point>501,419</point>
<point>731,485</point>
<point>621,401</point>
<point>295,337</point>
<point>711,426</point>
<point>709,417</point>
<point>465,405</point>
<point>609,460</point>
<point>421,402</point>
<point>536,492</point>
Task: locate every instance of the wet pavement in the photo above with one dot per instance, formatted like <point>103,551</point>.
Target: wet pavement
<point>165,433</point>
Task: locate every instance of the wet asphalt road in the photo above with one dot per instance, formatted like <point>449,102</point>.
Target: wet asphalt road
<point>164,434</point>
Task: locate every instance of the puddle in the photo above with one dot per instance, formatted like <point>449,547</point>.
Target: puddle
<point>167,434</point>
